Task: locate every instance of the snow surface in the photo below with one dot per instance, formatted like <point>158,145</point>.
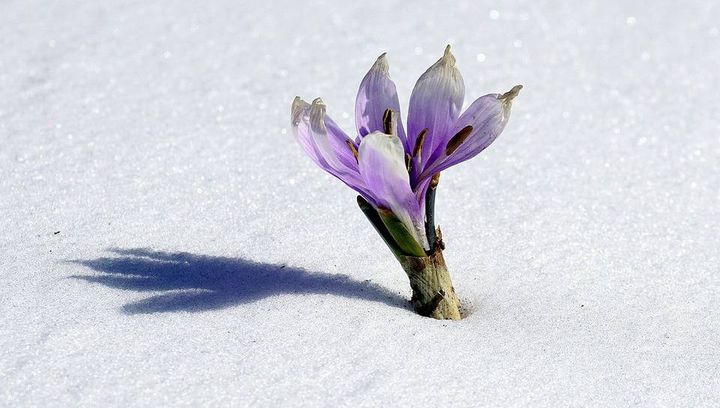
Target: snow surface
<point>163,240</point>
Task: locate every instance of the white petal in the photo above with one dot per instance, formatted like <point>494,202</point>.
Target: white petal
<point>382,167</point>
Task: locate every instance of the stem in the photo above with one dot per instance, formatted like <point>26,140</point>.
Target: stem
<point>433,292</point>
<point>430,211</point>
<point>430,217</point>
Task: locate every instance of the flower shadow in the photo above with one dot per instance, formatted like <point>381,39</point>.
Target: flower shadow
<point>195,283</point>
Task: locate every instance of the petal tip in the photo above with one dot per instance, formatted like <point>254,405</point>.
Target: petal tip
<point>296,109</point>
<point>448,56</point>
<point>511,94</point>
<point>317,115</point>
<point>381,63</point>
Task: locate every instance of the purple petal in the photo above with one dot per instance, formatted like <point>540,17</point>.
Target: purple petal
<point>326,143</point>
<point>382,167</point>
<point>488,116</point>
<point>376,94</point>
<point>435,104</point>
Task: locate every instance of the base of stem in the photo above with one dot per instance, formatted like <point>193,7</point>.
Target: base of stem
<point>433,292</point>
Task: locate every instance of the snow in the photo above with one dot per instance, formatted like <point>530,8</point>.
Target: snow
<point>163,240</point>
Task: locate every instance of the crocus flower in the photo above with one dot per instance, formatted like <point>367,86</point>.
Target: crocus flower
<point>395,170</point>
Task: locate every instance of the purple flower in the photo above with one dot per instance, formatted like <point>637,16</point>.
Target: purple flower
<point>390,167</point>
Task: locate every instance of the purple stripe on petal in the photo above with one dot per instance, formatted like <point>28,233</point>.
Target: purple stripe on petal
<point>382,166</point>
<point>376,94</point>
<point>420,193</point>
<point>435,104</point>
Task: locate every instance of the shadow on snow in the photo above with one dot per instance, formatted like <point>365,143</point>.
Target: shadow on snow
<point>188,282</point>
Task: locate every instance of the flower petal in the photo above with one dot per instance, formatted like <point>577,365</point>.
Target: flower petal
<point>301,131</point>
<point>474,130</point>
<point>435,104</point>
<point>325,143</point>
<point>331,140</point>
<point>376,94</point>
<point>382,167</point>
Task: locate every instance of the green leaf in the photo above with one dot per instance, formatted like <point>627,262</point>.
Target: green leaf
<point>375,220</point>
<point>404,239</point>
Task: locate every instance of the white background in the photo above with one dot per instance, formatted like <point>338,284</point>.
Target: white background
<point>201,258</point>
